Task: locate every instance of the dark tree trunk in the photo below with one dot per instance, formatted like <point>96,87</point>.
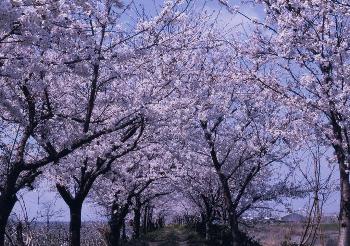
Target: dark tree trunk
<point>145,219</point>
<point>150,225</point>
<point>232,215</point>
<point>75,205</point>
<point>235,232</point>
<point>137,220</point>
<point>344,213</point>
<point>208,215</point>
<point>7,202</point>
<point>207,230</point>
<point>116,221</point>
<point>75,223</point>
<point>230,205</point>
<point>2,234</point>
<point>124,237</point>
<point>115,227</point>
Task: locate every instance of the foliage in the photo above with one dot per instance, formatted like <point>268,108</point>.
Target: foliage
<point>137,113</point>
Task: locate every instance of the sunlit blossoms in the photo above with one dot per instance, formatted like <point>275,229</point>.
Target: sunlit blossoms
<point>169,117</point>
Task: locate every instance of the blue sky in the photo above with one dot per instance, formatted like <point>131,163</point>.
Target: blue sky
<point>225,18</point>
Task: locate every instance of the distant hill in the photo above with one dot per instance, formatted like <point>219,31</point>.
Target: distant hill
<point>293,217</point>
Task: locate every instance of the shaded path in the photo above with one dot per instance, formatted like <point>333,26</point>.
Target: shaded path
<point>171,236</point>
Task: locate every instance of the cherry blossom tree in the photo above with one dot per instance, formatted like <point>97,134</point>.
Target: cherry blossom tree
<point>41,67</point>
<point>119,89</point>
<point>142,200</point>
<point>136,181</point>
<point>236,126</point>
<point>300,54</point>
<point>106,97</point>
<point>201,186</point>
<point>115,110</point>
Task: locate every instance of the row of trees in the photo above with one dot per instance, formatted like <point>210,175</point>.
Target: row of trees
<point>122,108</point>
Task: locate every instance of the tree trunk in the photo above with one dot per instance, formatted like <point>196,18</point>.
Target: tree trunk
<point>75,223</point>
<point>150,225</point>
<point>208,216</point>
<point>7,202</point>
<point>232,218</point>
<point>145,219</point>
<point>207,230</point>
<point>75,206</point>
<point>344,214</point>
<point>137,222</point>
<point>235,232</point>
<point>124,237</point>
<point>116,227</point>
<point>231,208</point>
<point>117,221</point>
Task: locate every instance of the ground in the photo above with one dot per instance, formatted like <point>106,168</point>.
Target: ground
<point>170,236</point>
<point>276,234</point>
<point>267,235</point>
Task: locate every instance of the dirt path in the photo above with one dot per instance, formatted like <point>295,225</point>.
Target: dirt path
<point>172,236</point>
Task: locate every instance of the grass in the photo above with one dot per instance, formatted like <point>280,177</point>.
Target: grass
<point>268,235</point>
<point>170,236</point>
<point>275,234</point>
<point>330,227</point>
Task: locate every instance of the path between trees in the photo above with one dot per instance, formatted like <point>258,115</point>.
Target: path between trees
<point>172,236</point>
